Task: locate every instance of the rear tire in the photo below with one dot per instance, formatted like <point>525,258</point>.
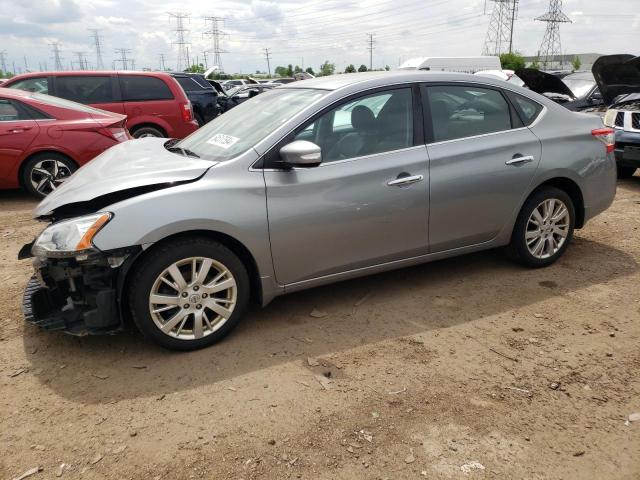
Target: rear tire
<point>45,172</point>
<point>208,296</point>
<point>626,172</point>
<point>544,228</point>
<point>143,132</point>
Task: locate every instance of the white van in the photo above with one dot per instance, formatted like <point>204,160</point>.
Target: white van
<point>452,64</point>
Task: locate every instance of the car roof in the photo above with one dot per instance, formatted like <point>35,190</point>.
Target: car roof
<point>374,79</point>
<point>81,73</point>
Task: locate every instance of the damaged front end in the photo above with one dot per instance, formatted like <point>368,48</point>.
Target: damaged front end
<point>78,295</point>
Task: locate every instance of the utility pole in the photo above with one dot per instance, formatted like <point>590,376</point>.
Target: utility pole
<point>181,42</point>
<point>267,55</point>
<point>26,67</point>
<point>3,60</point>
<point>551,48</point>
<point>162,65</point>
<point>371,47</point>
<point>56,55</point>
<point>123,57</point>
<point>499,38</point>
<point>206,64</point>
<point>97,42</point>
<point>216,35</point>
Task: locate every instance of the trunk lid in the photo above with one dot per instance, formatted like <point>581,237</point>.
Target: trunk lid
<point>617,75</point>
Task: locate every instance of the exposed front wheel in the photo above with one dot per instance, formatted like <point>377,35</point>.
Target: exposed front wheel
<point>45,172</point>
<point>189,293</point>
<point>544,228</point>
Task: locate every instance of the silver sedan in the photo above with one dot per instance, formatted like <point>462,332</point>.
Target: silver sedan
<point>311,183</point>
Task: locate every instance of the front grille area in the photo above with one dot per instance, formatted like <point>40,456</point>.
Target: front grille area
<point>619,119</point>
<point>635,121</point>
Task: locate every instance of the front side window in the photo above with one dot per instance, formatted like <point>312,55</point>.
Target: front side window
<point>138,88</point>
<point>37,85</point>
<point>242,127</point>
<point>377,123</point>
<point>85,89</point>
<point>461,111</point>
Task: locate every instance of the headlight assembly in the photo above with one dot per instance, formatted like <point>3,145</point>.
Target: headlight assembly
<point>69,237</point>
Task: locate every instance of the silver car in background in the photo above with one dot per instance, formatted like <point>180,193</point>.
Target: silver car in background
<point>311,183</point>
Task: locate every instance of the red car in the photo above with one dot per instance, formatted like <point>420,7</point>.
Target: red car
<point>154,102</point>
<point>44,139</point>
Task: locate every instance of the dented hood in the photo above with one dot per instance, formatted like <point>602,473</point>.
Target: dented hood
<point>617,75</point>
<point>134,166</point>
<point>542,82</point>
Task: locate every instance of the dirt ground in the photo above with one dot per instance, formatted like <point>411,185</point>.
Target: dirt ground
<point>464,368</point>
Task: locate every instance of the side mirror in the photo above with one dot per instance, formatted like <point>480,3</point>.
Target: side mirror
<point>301,153</point>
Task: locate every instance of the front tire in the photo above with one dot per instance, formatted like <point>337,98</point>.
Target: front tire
<point>45,172</point>
<point>544,228</point>
<point>188,294</point>
<point>626,172</point>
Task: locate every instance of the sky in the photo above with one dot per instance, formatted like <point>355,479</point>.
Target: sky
<point>305,32</point>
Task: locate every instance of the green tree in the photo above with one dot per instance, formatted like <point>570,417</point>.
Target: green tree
<point>290,71</point>
<point>199,68</point>
<point>387,68</point>
<point>576,64</point>
<point>310,71</point>
<point>327,69</point>
<point>362,68</point>
<point>281,71</point>
<point>535,64</point>
<point>351,68</point>
<point>512,61</point>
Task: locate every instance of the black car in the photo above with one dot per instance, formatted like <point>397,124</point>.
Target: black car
<point>619,80</point>
<point>202,95</point>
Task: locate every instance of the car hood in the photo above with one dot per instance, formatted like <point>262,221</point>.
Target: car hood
<point>617,75</point>
<point>123,171</point>
<point>542,82</point>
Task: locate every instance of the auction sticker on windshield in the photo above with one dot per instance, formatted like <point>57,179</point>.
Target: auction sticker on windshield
<point>223,141</point>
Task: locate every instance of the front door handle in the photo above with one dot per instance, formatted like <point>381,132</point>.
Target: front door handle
<point>519,160</point>
<point>404,181</point>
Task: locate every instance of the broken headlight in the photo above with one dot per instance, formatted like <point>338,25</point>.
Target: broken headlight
<point>69,237</point>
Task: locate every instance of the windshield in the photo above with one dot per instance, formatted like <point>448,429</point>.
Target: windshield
<point>240,128</point>
<point>579,86</point>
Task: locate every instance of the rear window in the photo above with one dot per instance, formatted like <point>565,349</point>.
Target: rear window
<point>526,108</point>
<point>37,84</point>
<point>138,88</point>
<point>190,84</point>
<point>85,89</point>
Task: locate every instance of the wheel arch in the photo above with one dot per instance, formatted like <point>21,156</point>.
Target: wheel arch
<point>138,126</point>
<point>573,190</point>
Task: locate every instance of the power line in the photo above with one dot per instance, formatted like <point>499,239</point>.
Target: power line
<point>551,48</point>
<point>268,57</point>
<point>371,47</point>
<point>215,33</point>
<point>499,38</point>
<point>97,42</point>
<point>181,42</point>
<point>56,55</point>
<point>123,57</point>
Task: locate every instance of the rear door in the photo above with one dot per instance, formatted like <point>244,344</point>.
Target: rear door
<point>100,91</point>
<point>482,160</point>
<point>17,132</point>
<point>150,97</point>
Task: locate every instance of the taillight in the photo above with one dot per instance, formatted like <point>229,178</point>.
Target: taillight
<point>607,136</point>
<point>187,112</point>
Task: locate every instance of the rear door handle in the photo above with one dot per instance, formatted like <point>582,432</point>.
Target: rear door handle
<point>404,181</point>
<point>19,129</point>
<point>519,160</point>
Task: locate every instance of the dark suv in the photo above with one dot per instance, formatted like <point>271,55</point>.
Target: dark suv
<point>154,102</point>
<point>201,94</point>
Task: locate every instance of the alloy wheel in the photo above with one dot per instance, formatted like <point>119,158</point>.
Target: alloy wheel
<point>47,175</point>
<point>547,228</point>
<point>193,298</point>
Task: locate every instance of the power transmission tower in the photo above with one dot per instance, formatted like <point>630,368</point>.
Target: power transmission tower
<point>216,34</point>
<point>206,64</point>
<point>267,55</point>
<point>3,60</point>
<point>499,37</point>
<point>181,42</point>
<point>97,42</point>
<point>56,55</point>
<point>162,65</point>
<point>551,49</point>
<point>82,60</point>
<point>133,63</point>
<point>123,57</point>
<point>371,47</point>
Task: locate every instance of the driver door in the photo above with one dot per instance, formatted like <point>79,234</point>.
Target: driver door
<point>367,203</point>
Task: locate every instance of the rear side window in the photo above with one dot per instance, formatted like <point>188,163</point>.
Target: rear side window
<point>526,108</point>
<point>85,89</point>
<point>138,88</point>
<point>461,111</point>
<point>37,85</point>
<point>32,112</point>
<point>9,112</point>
